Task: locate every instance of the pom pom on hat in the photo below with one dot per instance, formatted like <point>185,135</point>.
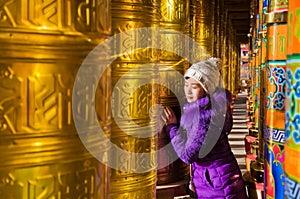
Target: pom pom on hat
<point>206,73</point>
<point>217,61</point>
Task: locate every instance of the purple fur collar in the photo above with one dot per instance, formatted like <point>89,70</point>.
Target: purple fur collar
<point>203,109</point>
<point>192,112</point>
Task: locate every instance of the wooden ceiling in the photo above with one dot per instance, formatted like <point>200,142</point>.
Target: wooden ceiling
<point>239,14</point>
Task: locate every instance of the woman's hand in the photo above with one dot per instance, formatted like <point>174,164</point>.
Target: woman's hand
<point>169,116</point>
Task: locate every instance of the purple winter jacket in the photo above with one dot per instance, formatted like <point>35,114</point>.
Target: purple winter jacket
<point>217,174</point>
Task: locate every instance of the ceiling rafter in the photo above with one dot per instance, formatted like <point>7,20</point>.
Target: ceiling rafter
<point>239,15</point>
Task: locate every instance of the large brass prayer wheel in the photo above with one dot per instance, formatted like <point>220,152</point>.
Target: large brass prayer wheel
<point>217,29</point>
<point>174,23</point>
<point>205,27</point>
<point>133,94</point>
<point>223,44</point>
<point>229,56</point>
<point>42,46</point>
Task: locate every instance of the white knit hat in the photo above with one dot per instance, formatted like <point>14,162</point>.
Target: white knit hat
<point>206,73</point>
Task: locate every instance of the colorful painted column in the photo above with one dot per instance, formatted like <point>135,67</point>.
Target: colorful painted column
<point>251,36</point>
<point>275,104</point>
<point>263,6</point>
<point>254,65</point>
<point>255,73</point>
<point>256,167</point>
<point>292,110</point>
<point>43,45</point>
<point>254,179</point>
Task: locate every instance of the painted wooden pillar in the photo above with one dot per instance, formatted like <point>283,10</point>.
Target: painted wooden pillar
<point>292,110</point>
<point>275,96</point>
<point>256,167</point>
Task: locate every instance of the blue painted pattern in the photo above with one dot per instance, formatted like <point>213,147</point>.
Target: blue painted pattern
<point>277,81</point>
<point>292,118</point>
<point>292,188</point>
<point>275,135</point>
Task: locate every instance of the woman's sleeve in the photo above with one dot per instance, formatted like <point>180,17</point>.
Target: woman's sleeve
<point>187,147</point>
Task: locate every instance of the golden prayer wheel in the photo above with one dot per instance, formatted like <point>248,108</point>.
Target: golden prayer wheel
<point>174,23</point>
<point>42,47</point>
<point>224,45</point>
<point>230,51</point>
<point>205,28</point>
<point>221,30</point>
<point>217,29</point>
<point>192,18</point>
<point>134,93</point>
<point>234,66</point>
<point>230,56</point>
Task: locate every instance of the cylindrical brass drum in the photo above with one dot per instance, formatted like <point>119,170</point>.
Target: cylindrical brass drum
<point>42,46</point>
<point>205,28</point>
<point>174,23</point>
<point>134,76</point>
<point>217,29</point>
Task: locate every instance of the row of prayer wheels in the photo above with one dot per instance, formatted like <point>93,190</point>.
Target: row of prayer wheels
<point>79,82</point>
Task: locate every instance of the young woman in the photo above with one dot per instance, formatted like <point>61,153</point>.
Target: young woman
<point>215,171</point>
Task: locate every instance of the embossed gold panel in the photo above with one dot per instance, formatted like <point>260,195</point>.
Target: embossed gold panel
<point>42,46</point>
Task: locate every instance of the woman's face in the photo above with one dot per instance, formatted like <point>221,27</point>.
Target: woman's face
<point>193,90</point>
